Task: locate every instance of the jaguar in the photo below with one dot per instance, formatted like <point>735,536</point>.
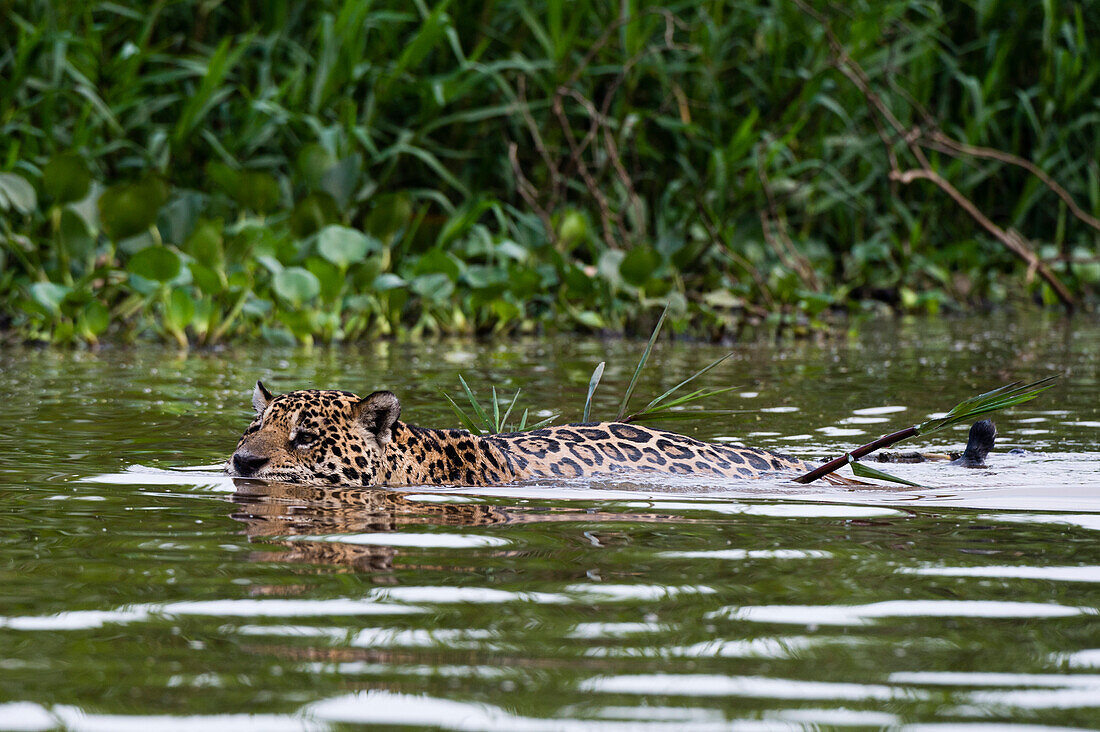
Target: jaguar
<point>327,437</point>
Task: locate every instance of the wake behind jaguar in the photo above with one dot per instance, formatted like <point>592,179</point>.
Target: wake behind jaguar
<point>324,437</point>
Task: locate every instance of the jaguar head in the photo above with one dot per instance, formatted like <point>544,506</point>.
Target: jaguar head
<point>316,437</point>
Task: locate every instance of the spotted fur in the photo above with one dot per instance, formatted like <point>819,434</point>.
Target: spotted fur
<point>336,438</point>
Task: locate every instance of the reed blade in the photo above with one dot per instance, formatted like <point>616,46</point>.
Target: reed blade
<point>544,422</point>
<point>1000,398</point>
<point>496,411</point>
<point>464,418</point>
<point>663,410</point>
<point>860,470</point>
<point>508,411</point>
<point>597,373</point>
<point>641,363</point>
<point>474,403</point>
<point>684,383</point>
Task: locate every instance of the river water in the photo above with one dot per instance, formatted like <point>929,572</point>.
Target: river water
<point>141,590</point>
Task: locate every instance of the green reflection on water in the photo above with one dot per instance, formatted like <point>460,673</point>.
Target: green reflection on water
<point>169,599</point>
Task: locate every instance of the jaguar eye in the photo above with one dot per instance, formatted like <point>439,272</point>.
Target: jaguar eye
<point>303,439</point>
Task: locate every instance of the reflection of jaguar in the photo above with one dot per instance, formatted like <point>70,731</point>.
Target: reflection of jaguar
<point>307,522</point>
<point>337,438</point>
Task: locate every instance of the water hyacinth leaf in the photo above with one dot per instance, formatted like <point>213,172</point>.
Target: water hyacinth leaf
<point>329,275</point>
<point>343,246</point>
<point>128,209</point>
<point>390,214</point>
<point>313,161</point>
<point>66,178</point>
<point>158,263</point>
<point>49,295</point>
<point>438,260</point>
<point>387,281</point>
<point>256,191</point>
<point>180,310</point>
<point>590,319</point>
<point>96,318</point>
<point>74,235</point>
<point>312,214</point>
<point>341,179</point>
<point>205,243</point>
<point>208,281</point>
<point>296,285</point>
<point>593,382</point>
<point>638,265</point>
<point>17,193</point>
<point>436,287</point>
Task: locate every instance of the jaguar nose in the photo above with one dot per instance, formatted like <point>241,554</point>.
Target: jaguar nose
<point>247,464</point>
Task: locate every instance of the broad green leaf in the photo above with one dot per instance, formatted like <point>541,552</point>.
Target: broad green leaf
<point>343,246</point>
<point>74,235</point>
<point>437,287</point>
<point>205,243</point>
<point>257,191</point>
<point>128,209</point>
<point>331,279</point>
<point>49,295</point>
<point>66,178</point>
<point>96,317</point>
<point>342,178</point>
<point>155,263</point>
<point>639,264</point>
<point>207,280</point>
<point>312,214</point>
<point>313,161</point>
<point>387,281</point>
<point>390,214</point>
<point>180,309</point>
<point>16,193</point>
<point>296,285</point>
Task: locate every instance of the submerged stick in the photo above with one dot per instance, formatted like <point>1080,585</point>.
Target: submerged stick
<point>838,463</point>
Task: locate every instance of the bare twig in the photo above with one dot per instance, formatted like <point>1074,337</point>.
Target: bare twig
<point>1012,240</point>
<point>529,194</point>
<point>953,147</point>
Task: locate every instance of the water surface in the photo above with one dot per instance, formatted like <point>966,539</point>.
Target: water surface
<point>139,592</point>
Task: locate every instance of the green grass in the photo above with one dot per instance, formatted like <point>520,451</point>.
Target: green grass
<point>331,171</point>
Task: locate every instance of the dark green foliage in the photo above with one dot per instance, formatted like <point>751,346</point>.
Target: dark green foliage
<point>337,170</point>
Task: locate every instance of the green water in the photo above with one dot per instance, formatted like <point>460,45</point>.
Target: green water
<point>136,595</point>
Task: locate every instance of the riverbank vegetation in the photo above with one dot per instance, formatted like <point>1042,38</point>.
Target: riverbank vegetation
<point>201,172</point>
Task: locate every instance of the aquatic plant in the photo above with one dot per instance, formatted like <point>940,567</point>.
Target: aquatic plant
<point>330,171</point>
<point>663,407</point>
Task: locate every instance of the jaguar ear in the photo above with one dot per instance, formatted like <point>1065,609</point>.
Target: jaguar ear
<point>377,413</point>
<point>261,397</point>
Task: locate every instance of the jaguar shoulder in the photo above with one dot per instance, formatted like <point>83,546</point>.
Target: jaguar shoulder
<point>337,438</point>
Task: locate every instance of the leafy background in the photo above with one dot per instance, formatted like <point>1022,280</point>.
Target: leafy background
<point>200,171</point>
